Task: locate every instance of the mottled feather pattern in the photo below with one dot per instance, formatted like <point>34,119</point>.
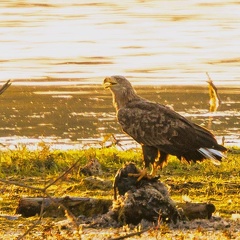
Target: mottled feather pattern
<point>148,123</point>
<point>159,129</point>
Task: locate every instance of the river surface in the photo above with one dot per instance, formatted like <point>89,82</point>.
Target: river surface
<point>58,52</point>
<point>83,115</point>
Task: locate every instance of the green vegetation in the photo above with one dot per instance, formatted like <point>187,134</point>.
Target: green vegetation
<point>201,182</point>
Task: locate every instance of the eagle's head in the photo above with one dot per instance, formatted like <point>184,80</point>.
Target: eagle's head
<point>121,89</point>
<point>117,82</point>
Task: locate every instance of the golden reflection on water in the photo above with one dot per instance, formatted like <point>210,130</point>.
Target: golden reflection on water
<point>51,49</point>
<point>151,42</point>
<point>70,115</point>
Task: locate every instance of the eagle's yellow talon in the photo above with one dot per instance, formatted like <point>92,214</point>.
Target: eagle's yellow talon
<point>142,174</point>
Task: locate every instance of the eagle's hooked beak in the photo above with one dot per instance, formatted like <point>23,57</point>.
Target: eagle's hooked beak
<point>108,82</point>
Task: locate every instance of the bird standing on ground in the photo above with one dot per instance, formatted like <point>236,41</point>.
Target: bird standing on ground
<point>160,130</point>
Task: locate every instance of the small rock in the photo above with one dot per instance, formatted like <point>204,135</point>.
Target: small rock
<point>92,168</point>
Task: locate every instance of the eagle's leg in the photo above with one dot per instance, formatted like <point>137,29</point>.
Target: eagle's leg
<point>159,164</point>
<point>150,153</point>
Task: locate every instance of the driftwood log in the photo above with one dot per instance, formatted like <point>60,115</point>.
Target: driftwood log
<point>192,211</point>
<point>134,201</point>
<point>88,207</point>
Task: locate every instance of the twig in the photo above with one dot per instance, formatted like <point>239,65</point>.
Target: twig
<point>209,79</point>
<point>30,229</point>
<point>69,214</point>
<point>5,86</point>
<point>131,234</point>
<point>20,185</point>
<point>62,175</point>
<point>34,225</point>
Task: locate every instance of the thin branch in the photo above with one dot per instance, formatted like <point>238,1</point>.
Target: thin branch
<point>69,214</point>
<point>5,86</point>
<point>30,229</point>
<point>131,234</point>
<point>62,175</point>
<point>209,79</point>
<point>20,185</point>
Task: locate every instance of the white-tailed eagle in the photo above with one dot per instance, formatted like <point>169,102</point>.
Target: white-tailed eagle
<point>160,130</point>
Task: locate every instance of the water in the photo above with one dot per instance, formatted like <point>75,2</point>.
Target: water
<point>58,53</point>
<point>82,115</point>
<point>157,42</point>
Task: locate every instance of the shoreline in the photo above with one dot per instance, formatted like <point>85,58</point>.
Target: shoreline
<point>83,144</point>
<point>93,82</point>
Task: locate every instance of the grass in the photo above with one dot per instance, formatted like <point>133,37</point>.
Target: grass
<point>201,182</point>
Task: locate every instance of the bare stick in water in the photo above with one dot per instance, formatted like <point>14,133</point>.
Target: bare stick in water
<point>5,86</point>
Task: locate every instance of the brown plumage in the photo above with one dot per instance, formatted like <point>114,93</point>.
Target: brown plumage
<point>159,129</point>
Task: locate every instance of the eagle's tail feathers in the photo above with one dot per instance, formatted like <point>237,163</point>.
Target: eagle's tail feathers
<point>214,155</point>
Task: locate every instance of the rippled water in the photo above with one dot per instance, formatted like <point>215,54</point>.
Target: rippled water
<point>53,49</point>
<point>75,116</point>
<point>157,42</point>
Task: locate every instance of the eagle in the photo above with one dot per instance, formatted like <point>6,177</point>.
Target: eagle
<point>160,130</point>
